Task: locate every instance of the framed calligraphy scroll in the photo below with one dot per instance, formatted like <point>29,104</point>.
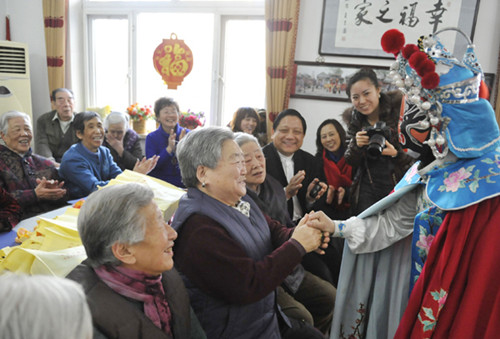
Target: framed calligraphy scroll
<point>328,81</point>
<point>355,27</point>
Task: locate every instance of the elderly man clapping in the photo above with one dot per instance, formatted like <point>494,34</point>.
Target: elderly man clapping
<point>32,180</point>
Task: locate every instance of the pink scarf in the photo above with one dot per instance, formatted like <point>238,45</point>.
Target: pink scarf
<point>139,286</point>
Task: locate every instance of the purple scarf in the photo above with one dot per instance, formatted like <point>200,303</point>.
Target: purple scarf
<point>139,286</point>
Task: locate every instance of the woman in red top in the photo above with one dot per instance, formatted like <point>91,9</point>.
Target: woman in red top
<point>331,145</point>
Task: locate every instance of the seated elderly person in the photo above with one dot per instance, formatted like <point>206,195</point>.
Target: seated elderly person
<point>10,211</point>
<point>43,307</point>
<point>87,164</point>
<point>31,179</point>
<point>131,285</point>
<point>54,129</point>
<point>230,254</point>
<point>304,295</point>
<point>123,142</point>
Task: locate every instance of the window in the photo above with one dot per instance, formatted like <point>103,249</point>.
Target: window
<point>228,54</point>
<point>110,62</point>
<point>195,91</point>
<point>243,66</point>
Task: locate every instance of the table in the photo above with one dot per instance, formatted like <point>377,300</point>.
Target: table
<point>8,238</point>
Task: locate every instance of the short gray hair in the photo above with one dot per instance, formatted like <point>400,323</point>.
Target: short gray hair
<point>5,118</point>
<point>201,147</point>
<point>116,118</point>
<point>242,138</point>
<point>111,215</point>
<point>44,307</point>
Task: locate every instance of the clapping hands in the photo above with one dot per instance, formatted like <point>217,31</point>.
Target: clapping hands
<point>172,142</point>
<point>144,165</point>
<point>49,189</point>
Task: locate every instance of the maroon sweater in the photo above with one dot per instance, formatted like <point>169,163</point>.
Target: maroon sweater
<point>220,267</point>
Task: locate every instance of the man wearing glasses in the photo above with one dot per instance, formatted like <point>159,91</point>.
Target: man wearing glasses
<point>54,130</point>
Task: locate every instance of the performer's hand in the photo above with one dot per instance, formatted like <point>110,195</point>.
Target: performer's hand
<point>321,221</point>
<point>310,238</point>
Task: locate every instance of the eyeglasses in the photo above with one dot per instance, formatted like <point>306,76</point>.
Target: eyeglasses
<point>61,100</point>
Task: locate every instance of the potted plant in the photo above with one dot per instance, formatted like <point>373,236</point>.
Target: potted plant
<point>191,120</point>
<point>139,115</point>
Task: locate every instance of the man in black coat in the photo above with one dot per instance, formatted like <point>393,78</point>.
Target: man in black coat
<point>297,170</point>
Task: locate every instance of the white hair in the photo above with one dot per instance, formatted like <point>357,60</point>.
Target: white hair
<point>242,138</point>
<point>111,215</point>
<point>43,307</point>
<point>201,147</point>
<point>116,118</point>
<point>5,118</point>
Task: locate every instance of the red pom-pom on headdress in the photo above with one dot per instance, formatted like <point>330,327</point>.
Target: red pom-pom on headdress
<point>392,41</point>
<point>426,66</point>
<point>408,50</point>
<point>417,58</point>
<point>430,80</point>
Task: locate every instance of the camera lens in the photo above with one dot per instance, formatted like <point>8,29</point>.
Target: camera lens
<point>375,146</point>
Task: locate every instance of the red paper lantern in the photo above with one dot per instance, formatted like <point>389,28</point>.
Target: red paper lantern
<point>173,59</point>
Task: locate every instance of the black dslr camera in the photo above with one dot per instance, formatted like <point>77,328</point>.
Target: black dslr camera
<point>377,133</point>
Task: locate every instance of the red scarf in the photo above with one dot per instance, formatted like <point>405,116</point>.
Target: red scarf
<point>337,174</point>
<point>139,286</point>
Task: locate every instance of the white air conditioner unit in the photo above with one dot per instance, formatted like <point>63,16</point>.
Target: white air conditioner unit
<point>15,86</point>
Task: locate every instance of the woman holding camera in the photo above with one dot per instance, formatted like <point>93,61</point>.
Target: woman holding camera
<point>374,151</point>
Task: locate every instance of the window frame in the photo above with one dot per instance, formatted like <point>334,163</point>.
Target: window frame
<point>222,10</point>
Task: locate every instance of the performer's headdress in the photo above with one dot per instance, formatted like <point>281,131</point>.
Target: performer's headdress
<point>448,93</point>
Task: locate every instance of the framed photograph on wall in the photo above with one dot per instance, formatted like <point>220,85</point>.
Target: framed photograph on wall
<point>489,79</point>
<point>328,81</point>
<point>355,27</point>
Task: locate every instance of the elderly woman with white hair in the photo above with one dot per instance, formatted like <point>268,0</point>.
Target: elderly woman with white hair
<point>302,295</point>
<point>122,141</point>
<point>131,286</point>
<point>232,257</point>
<point>43,307</point>
<point>31,179</point>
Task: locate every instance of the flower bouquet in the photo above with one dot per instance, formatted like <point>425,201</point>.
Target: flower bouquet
<point>191,120</point>
<point>140,113</point>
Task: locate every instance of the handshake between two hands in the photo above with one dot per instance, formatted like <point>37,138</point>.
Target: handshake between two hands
<point>315,229</point>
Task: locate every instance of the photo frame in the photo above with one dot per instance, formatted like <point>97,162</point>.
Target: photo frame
<point>328,81</point>
<point>489,80</point>
<point>355,27</point>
